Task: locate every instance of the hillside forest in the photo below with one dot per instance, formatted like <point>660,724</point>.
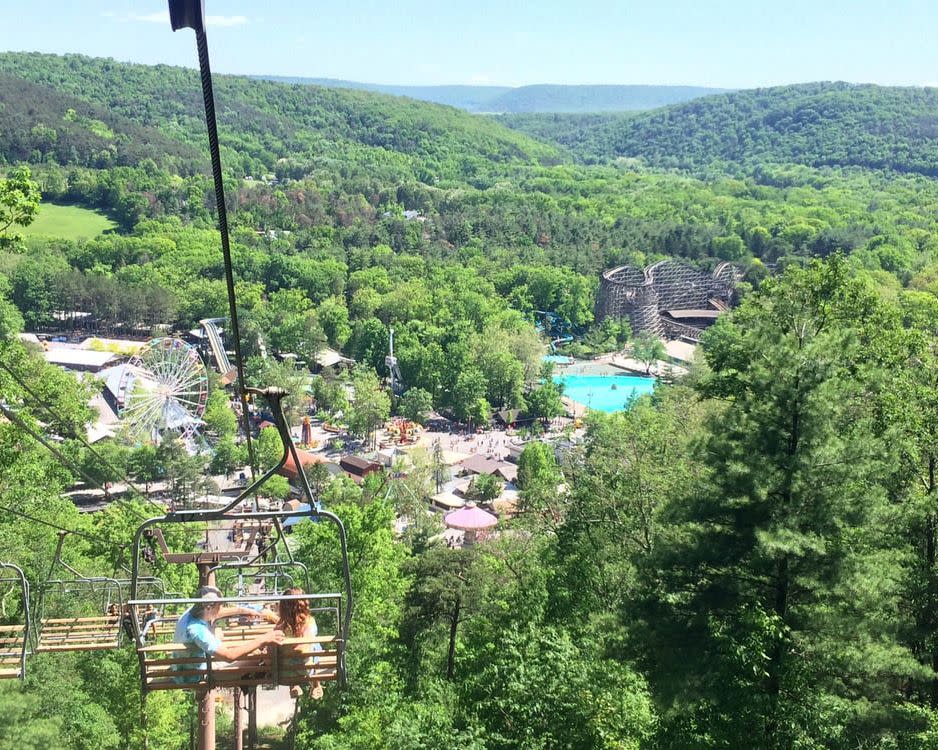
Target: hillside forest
<point>745,558</point>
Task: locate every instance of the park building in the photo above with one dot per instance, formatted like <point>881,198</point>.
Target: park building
<point>667,298</point>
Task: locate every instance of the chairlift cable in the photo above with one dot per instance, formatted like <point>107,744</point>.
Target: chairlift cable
<point>65,461</point>
<point>208,97</point>
<point>91,538</point>
<point>75,436</point>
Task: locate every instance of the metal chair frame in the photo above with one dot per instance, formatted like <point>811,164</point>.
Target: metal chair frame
<point>343,600</point>
<point>77,633</point>
<point>14,639</point>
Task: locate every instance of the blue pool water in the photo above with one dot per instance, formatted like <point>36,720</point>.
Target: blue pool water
<point>604,392</point>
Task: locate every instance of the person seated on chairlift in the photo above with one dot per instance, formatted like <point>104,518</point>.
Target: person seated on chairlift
<point>298,622</point>
<point>196,629</point>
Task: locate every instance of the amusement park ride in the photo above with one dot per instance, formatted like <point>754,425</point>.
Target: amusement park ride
<point>165,389</point>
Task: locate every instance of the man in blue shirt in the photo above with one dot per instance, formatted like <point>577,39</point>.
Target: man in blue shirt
<point>196,629</point>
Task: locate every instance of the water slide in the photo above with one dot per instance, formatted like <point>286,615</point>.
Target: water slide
<point>557,342</point>
<point>218,348</point>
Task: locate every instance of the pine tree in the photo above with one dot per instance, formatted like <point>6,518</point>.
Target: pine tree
<point>775,607</point>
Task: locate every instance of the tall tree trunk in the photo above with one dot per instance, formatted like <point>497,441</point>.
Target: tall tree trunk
<point>451,656</point>
<point>929,618</point>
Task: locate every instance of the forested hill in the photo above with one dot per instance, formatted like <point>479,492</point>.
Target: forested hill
<point>534,98</point>
<point>266,125</point>
<point>553,98</point>
<point>816,124</point>
<point>37,120</point>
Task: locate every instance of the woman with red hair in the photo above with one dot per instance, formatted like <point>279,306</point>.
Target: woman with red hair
<point>297,622</point>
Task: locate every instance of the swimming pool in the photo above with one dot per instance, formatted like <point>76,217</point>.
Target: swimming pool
<point>604,392</point>
<point>558,359</point>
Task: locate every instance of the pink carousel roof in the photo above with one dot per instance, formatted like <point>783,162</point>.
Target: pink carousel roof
<point>470,518</point>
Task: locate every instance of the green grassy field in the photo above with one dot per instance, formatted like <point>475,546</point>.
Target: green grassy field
<point>67,223</point>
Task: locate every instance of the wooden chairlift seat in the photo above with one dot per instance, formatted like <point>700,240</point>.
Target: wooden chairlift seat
<point>170,666</point>
<point>83,631</point>
<point>79,633</point>
<point>13,643</point>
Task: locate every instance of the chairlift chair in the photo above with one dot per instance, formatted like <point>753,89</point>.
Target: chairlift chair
<point>72,625</point>
<point>14,629</point>
<point>166,665</point>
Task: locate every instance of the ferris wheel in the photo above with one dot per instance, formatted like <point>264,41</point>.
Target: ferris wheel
<point>163,389</point>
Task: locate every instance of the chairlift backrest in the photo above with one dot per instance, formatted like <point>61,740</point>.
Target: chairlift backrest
<point>76,612</point>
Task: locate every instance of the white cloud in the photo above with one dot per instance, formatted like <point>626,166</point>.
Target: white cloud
<point>226,20</point>
<point>158,17</point>
<point>479,79</point>
<point>163,17</point>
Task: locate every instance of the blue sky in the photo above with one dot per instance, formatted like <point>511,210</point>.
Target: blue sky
<point>727,43</point>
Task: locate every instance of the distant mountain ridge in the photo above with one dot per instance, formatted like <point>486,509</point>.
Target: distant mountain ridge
<point>98,112</point>
<point>816,124</point>
<point>534,98</point>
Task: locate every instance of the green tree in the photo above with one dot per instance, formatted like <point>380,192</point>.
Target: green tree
<point>469,390</point>
<point>105,464</point>
<point>227,457</point>
<point>371,406</point>
<point>333,317</point>
<point>416,405</point>
<point>444,592</point>
<point>268,447</point>
<point>553,692</point>
<point>19,204</point>
<point>219,417</point>
<point>544,401</point>
<point>799,596</point>
<point>276,487</point>
<point>484,488</point>
<point>537,467</point>
<point>263,373</point>
<point>182,473</point>
<point>647,349</point>
<point>11,322</point>
<point>143,465</point>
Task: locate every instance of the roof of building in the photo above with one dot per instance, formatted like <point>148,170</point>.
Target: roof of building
<point>698,313</point>
<point>330,358</point>
<point>508,472</point>
<point>479,464</point>
<point>78,358</point>
<point>358,464</point>
<point>514,450</point>
<point>447,500</point>
<point>680,350</point>
<point>306,459</point>
<point>117,346</point>
<point>106,423</point>
<point>112,377</point>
